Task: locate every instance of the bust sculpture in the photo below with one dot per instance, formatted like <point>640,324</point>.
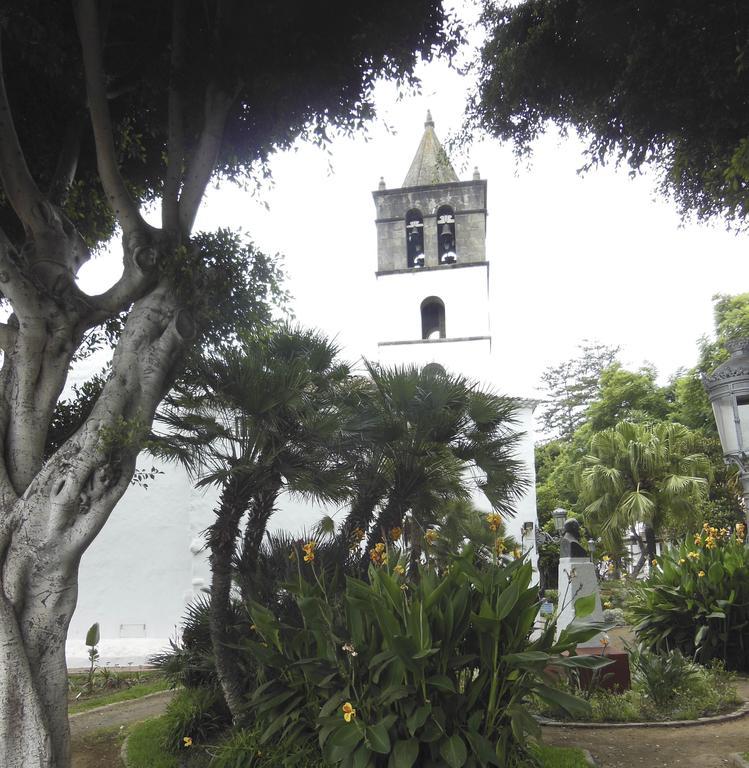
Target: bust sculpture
<point>569,545</point>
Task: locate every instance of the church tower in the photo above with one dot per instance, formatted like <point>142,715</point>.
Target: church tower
<point>432,272</point>
<point>432,292</point>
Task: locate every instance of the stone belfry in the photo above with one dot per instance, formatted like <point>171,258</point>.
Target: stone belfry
<point>432,270</point>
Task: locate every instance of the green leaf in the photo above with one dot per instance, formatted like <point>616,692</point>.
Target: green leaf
<point>346,737</point>
<point>507,600</point>
<point>441,683</point>
<point>483,749</point>
<point>405,753</point>
<point>418,718</point>
<point>571,704</point>
<point>584,606</point>
<point>585,662</point>
<point>92,636</point>
<point>361,757</point>
<point>378,738</point>
<point>715,573</point>
<point>453,751</point>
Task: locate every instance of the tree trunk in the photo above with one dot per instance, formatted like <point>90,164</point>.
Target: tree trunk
<point>650,544</point>
<point>222,540</point>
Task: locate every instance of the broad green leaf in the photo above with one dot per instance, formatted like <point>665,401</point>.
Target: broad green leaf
<point>418,718</point>
<point>378,738</point>
<point>453,751</point>
<point>441,683</point>
<point>405,753</point>
<point>507,600</point>
<point>346,737</point>
<point>584,606</point>
<point>571,704</point>
<point>715,573</point>
<point>483,749</point>
<point>92,636</point>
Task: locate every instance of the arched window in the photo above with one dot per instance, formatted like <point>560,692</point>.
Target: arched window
<point>414,239</point>
<point>446,235</point>
<point>432,318</point>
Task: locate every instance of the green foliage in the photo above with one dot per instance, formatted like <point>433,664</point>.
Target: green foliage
<point>639,473</point>
<point>654,84</point>
<point>628,395</point>
<point>194,713</point>
<point>662,675</point>
<point>426,670</point>
<point>697,600</point>
<point>242,749</point>
<point>571,387</point>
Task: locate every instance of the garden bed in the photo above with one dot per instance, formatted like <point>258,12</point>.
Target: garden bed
<point>110,686</point>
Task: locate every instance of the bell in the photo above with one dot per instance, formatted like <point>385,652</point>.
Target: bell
<point>445,232</point>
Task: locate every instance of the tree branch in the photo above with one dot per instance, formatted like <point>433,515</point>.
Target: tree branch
<point>203,160</point>
<point>114,187</point>
<point>8,336</point>
<point>175,145</point>
<point>18,185</point>
<point>67,161</point>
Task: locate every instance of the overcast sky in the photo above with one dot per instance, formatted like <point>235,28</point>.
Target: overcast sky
<point>598,256</point>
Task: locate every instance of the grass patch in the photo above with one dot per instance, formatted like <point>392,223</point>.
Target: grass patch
<point>124,694</point>
<point>145,748</point>
<point>562,757</point>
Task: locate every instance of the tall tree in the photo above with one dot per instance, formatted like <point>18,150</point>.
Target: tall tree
<point>571,386</point>
<point>260,418</point>
<point>100,113</point>
<point>642,474</point>
<point>661,84</point>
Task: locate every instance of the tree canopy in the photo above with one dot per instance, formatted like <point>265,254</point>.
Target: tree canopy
<point>661,84</point>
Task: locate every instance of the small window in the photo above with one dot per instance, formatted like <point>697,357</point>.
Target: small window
<point>446,235</point>
<point>414,239</point>
<point>432,318</point>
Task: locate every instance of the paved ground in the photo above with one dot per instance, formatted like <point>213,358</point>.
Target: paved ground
<point>698,746</point>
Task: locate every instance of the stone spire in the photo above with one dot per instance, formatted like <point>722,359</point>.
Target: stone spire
<point>431,164</point>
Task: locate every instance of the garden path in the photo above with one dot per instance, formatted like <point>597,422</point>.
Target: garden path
<point>697,746</point>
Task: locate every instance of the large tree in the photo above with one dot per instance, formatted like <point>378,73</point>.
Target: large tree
<point>104,109</point>
<point>656,83</point>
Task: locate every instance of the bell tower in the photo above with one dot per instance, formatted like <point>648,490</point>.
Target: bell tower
<point>432,272</point>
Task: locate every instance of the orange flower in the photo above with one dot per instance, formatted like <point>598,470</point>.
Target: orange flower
<point>349,713</point>
<point>309,551</point>
<point>431,536</point>
<point>395,533</point>
<point>494,521</point>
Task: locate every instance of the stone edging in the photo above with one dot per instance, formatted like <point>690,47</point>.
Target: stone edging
<point>114,704</point>
<point>123,752</point>
<point>735,715</point>
<point>589,758</point>
<point>737,761</point>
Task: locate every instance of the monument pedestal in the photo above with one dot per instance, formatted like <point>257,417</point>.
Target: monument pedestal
<point>577,578</point>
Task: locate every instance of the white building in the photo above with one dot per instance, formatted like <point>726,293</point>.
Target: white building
<point>432,289</point>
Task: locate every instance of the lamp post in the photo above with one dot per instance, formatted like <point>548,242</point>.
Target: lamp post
<point>559,515</point>
<point>728,390</point>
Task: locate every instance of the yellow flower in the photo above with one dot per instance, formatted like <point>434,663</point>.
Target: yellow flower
<point>682,561</point>
<point>309,551</point>
<point>693,555</point>
<point>395,533</point>
<point>517,552</point>
<point>698,540</point>
<point>499,546</point>
<point>604,641</point>
<point>378,555</point>
<point>710,542</point>
<point>705,527</point>
<point>252,627</point>
<point>605,558</point>
<point>740,531</point>
<point>654,562</point>
<point>431,536</point>
<point>349,713</point>
<point>349,648</point>
<point>399,569</point>
<point>494,521</point>
<point>404,587</point>
<point>611,568</point>
<point>608,605</point>
<point>186,741</point>
<point>701,574</point>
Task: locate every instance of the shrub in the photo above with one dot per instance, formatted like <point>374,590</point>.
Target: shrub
<point>662,676</point>
<point>697,600</point>
<point>424,670</point>
<point>242,749</point>
<point>196,714</point>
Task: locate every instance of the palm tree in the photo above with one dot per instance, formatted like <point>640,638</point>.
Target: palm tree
<point>425,438</point>
<point>639,473</point>
<point>259,418</point>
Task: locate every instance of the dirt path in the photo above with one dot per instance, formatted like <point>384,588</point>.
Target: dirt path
<point>697,746</point>
<point>94,747</point>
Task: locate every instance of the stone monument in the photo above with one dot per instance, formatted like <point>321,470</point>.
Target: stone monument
<point>577,578</point>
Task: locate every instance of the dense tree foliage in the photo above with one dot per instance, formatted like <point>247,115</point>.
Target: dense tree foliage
<point>105,107</point>
<point>659,84</point>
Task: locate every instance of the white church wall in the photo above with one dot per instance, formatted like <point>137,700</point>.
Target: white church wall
<point>463,291</point>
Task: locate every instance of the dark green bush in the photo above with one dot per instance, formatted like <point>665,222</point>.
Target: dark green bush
<point>697,600</point>
<point>196,714</point>
<point>427,671</point>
